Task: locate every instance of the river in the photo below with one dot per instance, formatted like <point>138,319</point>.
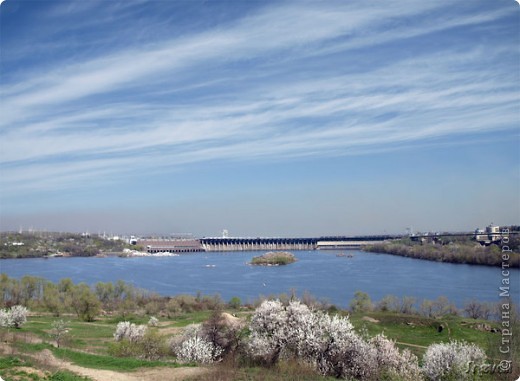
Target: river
<point>322,273</point>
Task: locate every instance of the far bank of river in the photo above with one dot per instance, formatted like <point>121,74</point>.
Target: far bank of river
<point>323,274</point>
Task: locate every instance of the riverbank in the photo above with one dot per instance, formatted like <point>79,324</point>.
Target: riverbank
<point>458,253</point>
<point>54,244</point>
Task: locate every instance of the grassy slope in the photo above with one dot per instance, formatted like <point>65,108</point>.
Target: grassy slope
<point>416,333</point>
<point>86,346</point>
<point>412,332</point>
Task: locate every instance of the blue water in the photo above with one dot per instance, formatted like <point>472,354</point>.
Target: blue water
<point>321,273</point>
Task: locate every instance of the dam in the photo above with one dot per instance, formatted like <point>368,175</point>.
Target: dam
<point>215,244</point>
<point>273,243</point>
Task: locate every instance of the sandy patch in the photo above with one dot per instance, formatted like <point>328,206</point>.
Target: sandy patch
<point>371,320</point>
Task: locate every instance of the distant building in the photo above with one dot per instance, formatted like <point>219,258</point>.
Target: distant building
<point>171,245</point>
<point>488,236</point>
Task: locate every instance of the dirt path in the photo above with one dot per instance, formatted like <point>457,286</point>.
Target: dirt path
<point>153,374</point>
<point>411,345</point>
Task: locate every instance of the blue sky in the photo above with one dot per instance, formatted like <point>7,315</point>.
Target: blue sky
<point>264,118</point>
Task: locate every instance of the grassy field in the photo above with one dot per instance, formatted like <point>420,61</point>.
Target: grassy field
<point>416,332</point>
<point>88,343</point>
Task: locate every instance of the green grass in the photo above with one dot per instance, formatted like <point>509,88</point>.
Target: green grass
<point>191,318</point>
<point>11,361</point>
<point>283,371</point>
<point>121,364</point>
<point>88,360</point>
<point>81,335</point>
<point>9,370</point>
<point>422,332</point>
<point>38,325</point>
<point>64,375</point>
<point>410,331</point>
<point>112,321</point>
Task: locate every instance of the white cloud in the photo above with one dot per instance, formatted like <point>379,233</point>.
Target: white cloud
<point>103,118</point>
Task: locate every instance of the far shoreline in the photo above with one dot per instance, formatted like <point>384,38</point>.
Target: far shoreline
<point>155,255</point>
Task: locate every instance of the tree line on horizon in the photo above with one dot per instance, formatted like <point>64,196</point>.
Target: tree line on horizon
<point>458,250</point>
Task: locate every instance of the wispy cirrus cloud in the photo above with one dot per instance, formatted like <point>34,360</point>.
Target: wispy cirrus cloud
<point>284,81</point>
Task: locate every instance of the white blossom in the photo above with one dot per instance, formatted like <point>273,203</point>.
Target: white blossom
<point>153,322</point>
<point>192,346</point>
<point>191,330</point>
<point>199,350</point>
<point>129,331</point>
<point>344,353</point>
<point>5,319</point>
<point>268,329</point>
<point>445,361</point>
<point>402,365</point>
<point>328,343</point>
<point>14,317</point>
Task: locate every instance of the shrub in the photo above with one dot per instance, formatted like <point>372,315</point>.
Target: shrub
<point>153,322</point>
<point>235,302</point>
<point>59,331</point>
<point>14,317</point>
<point>197,349</point>
<point>123,348</point>
<point>152,346</point>
<point>5,318</point>
<point>152,307</point>
<point>361,302</point>
<point>450,361</point>
<point>328,343</point>
<point>268,331</point>
<point>194,346</point>
<point>173,308</point>
<point>187,303</point>
<point>129,331</point>
<point>138,341</point>
<point>18,315</point>
<point>343,353</point>
<point>389,303</point>
<point>223,331</point>
<point>85,303</point>
<point>442,306</point>
<point>477,310</point>
<point>393,364</point>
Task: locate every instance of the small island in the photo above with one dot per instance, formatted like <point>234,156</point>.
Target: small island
<point>274,259</point>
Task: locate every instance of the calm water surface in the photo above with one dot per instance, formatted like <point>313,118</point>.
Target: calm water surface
<point>321,273</point>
